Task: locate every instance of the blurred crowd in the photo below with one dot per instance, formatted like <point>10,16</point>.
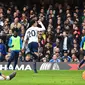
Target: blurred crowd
<point>65,27</point>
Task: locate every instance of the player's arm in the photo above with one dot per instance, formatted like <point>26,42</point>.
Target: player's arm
<point>24,42</point>
<point>81,44</point>
<point>3,76</point>
<point>10,43</point>
<point>42,26</point>
<point>21,44</point>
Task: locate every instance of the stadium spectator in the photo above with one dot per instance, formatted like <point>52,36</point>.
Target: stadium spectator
<point>83,17</point>
<point>74,58</point>
<point>66,43</point>
<point>66,57</point>
<point>2,50</point>
<point>24,20</point>
<point>21,57</point>
<point>28,58</point>
<point>55,59</point>
<point>15,24</point>
<point>56,44</point>
<point>44,60</point>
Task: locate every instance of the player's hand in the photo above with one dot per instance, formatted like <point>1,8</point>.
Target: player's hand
<point>81,49</point>
<point>39,22</point>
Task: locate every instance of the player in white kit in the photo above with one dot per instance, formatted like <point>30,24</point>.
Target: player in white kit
<point>32,36</point>
<point>11,76</point>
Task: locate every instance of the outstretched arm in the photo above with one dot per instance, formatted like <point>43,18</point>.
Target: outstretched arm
<point>10,43</point>
<point>42,26</point>
<point>4,77</point>
<point>25,40</point>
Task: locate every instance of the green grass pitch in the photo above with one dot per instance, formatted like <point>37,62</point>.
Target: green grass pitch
<point>45,78</point>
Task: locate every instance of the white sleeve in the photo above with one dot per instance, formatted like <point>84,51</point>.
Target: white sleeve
<point>42,27</point>
<point>25,38</point>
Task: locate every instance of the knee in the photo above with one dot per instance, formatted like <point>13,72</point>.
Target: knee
<point>9,60</point>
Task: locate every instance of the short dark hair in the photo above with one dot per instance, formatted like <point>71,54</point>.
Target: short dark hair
<point>65,51</point>
<point>15,29</point>
<point>32,22</point>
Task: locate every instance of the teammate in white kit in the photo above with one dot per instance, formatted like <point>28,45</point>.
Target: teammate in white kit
<point>11,76</point>
<point>32,36</point>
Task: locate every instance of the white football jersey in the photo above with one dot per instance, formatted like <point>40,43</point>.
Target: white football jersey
<point>32,33</point>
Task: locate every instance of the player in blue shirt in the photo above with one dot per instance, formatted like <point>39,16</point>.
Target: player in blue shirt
<point>82,48</point>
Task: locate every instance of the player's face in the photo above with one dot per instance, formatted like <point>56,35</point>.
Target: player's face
<point>65,54</point>
<point>15,33</point>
